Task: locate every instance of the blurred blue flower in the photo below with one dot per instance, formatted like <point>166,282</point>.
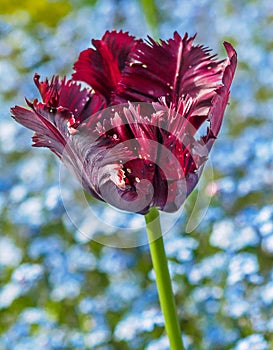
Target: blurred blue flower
<point>254,341</point>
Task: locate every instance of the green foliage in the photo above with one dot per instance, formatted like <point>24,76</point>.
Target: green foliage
<point>42,11</point>
<point>152,15</point>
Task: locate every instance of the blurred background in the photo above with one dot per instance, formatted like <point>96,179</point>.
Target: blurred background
<point>61,290</point>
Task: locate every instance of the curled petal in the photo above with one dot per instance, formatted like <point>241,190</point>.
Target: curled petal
<point>101,67</point>
<point>47,134</point>
<point>220,100</point>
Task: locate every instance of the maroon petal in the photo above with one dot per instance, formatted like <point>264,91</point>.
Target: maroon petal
<point>98,162</point>
<point>174,69</point>
<point>101,67</point>
<point>47,134</point>
<point>65,106</point>
<point>220,100</point>
<point>62,94</point>
<point>48,90</point>
<point>178,192</point>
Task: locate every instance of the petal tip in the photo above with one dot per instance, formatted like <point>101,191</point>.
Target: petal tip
<point>230,50</point>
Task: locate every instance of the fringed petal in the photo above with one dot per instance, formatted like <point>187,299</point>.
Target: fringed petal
<point>173,68</point>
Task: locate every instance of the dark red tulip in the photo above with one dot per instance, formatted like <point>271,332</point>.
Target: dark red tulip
<point>132,138</point>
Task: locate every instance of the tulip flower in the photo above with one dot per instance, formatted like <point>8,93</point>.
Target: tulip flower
<point>138,137</point>
<point>146,153</point>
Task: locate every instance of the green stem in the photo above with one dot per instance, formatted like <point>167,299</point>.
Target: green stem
<point>163,279</point>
